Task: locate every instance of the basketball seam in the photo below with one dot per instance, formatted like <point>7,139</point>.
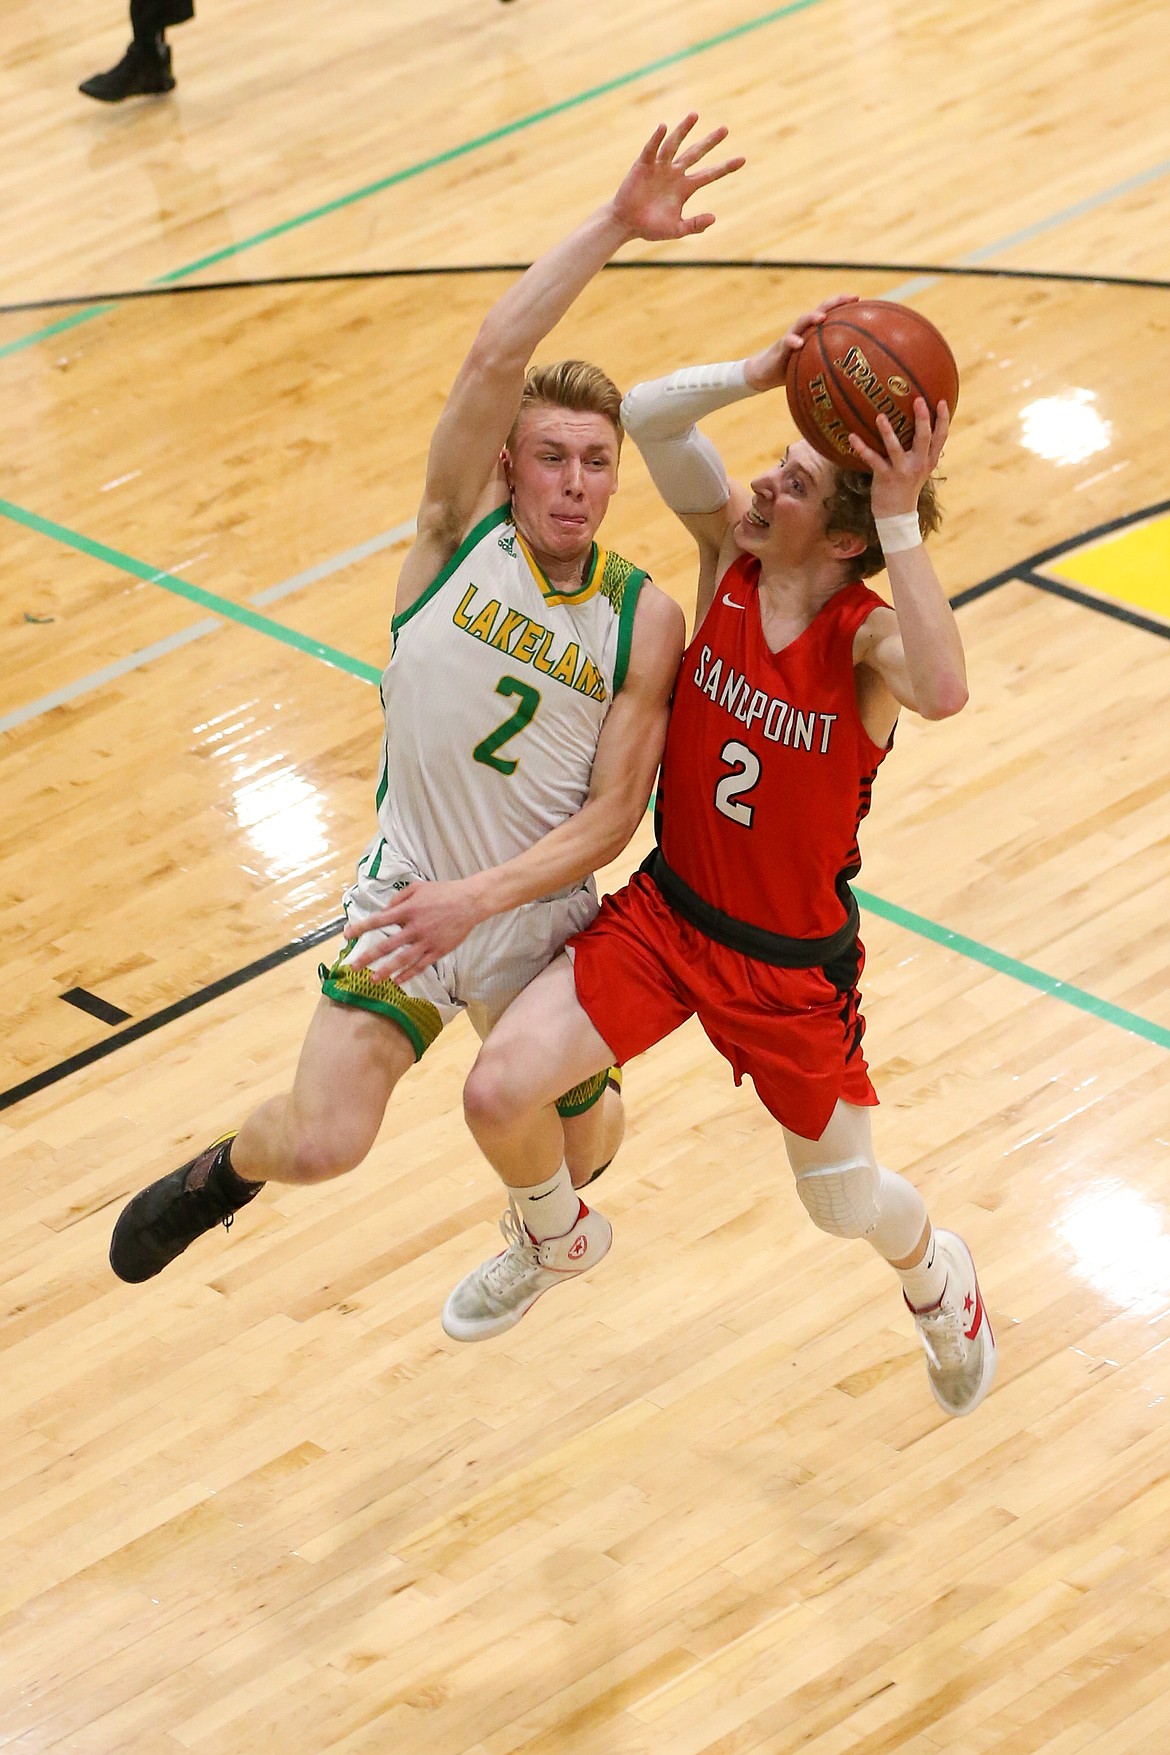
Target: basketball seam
<point>858,406</point>
<point>841,393</point>
<point>830,378</point>
<point>800,402</point>
<point>904,369</point>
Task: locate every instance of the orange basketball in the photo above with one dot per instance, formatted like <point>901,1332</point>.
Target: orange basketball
<point>864,360</point>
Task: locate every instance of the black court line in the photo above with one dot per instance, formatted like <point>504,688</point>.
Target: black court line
<point>1103,605</point>
<point>95,1006</point>
<point>1023,571</point>
<point>1109,528</point>
<point>765,264</point>
<point>1027,572</point>
<point>168,1015</point>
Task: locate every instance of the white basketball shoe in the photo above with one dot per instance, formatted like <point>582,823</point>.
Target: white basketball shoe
<point>495,1295</point>
<point>960,1347</point>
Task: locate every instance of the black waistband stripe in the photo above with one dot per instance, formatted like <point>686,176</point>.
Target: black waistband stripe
<point>752,941</point>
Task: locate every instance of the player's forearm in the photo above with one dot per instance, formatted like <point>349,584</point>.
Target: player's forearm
<point>660,417</point>
<point>566,855</point>
<point>666,408</point>
<point>486,395</point>
<point>930,635</point>
<point>520,320</point>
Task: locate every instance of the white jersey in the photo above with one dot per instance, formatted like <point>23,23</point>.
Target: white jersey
<point>496,691</point>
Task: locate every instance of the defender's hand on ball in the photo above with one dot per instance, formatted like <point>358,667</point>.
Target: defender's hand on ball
<point>768,369</point>
<point>898,477</point>
<point>661,181</point>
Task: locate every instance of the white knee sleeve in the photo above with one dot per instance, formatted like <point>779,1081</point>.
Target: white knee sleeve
<point>858,1198</point>
<point>841,1198</point>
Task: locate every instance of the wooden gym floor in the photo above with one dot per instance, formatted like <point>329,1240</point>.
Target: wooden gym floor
<point>702,1504</point>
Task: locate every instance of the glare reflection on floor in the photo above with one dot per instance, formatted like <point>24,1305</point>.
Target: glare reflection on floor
<point>1119,1246</point>
<point>282,815</point>
<point>1066,428</point>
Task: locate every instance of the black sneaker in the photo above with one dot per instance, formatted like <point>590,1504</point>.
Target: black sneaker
<point>158,1224</point>
<point>139,73</point>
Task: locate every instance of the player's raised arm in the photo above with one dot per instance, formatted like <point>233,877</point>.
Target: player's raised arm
<point>462,467</point>
<point>661,416</point>
<point>917,651</point>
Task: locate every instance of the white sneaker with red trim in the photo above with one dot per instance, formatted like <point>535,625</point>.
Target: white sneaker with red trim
<point>960,1347</point>
<point>495,1295</point>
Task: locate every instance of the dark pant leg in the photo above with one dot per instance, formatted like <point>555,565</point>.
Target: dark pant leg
<point>149,18</point>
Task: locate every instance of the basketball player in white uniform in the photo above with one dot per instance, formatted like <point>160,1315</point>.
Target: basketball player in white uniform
<point>526,701</point>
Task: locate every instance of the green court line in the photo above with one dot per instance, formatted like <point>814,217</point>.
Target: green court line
<point>57,328</point>
<point>1023,972</point>
<point>903,917</point>
<point>222,606</point>
<point>447,157</point>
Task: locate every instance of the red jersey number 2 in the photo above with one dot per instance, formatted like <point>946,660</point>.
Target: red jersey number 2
<point>745,771</point>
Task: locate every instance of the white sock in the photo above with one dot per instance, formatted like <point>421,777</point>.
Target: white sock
<point>925,1284</point>
<point>549,1209</point>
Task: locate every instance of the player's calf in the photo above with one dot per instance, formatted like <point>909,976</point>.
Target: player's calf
<point>857,1198</point>
<point>594,1135</point>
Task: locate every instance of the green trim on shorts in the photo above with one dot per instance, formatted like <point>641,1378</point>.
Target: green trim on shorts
<point>417,1018</point>
<point>583,1096</point>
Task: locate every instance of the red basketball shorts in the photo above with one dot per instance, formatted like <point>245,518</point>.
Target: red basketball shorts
<point>641,970</point>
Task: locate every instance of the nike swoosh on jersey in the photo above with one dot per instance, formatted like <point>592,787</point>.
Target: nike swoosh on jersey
<point>730,602</point>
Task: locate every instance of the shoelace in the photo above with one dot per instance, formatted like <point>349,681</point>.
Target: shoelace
<point>941,1333</point>
<point>176,1220</point>
<point>519,1256</point>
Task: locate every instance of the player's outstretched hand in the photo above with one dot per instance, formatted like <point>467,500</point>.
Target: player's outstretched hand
<point>899,475</point>
<point>662,180</point>
<point>768,369</point>
<point>431,920</point>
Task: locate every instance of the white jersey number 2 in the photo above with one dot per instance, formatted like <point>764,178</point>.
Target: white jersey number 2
<point>487,750</point>
<point>745,766</point>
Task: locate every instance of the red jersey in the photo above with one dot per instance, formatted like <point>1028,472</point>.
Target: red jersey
<point>768,769</point>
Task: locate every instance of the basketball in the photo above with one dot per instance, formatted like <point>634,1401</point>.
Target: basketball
<point>864,360</point>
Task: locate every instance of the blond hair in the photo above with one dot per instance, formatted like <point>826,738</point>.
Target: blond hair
<point>572,384</point>
<point>848,509</point>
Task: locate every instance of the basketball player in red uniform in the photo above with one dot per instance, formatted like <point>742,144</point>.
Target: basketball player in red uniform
<point>784,709</point>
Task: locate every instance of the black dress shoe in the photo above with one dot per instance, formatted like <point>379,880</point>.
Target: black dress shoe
<point>139,72</point>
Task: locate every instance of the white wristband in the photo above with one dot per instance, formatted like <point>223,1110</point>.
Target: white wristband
<point>900,533</point>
